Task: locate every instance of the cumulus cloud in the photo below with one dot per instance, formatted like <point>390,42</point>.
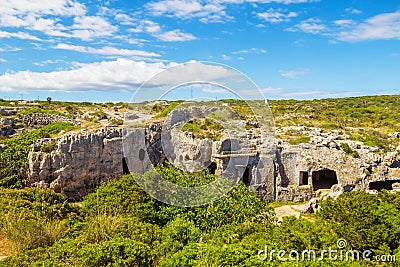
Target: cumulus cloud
<point>344,22</point>
<point>276,16</point>
<point>209,10</point>
<point>380,27</point>
<point>88,27</point>
<point>106,50</point>
<point>188,9</point>
<point>154,29</point>
<point>313,26</point>
<point>20,35</point>
<point>352,11</point>
<point>118,75</point>
<point>175,36</point>
<point>39,15</point>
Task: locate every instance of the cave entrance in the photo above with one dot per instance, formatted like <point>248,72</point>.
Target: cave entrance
<point>303,180</point>
<point>125,169</point>
<point>246,176</point>
<point>380,185</point>
<point>323,179</point>
<point>212,168</point>
<point>395,164</point>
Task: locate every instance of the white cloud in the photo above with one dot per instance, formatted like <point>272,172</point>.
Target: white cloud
<point>88,27</point>
<point>35,15</point>
<point>294,74</point>
<point>225,57</point>
<point>344,22</point>
<point>352,11</point>
<point>175,36</point>
<point>285,2</point>
<point>20,35</point>
<point>154,29</point>
<point>208,11</point>
<point>124,19</point>
<point>2,60</point>
<point>49,61</point>
<point>381,27</point>
<point>250,51</point>
<point>147,26</point>
<point>187,9</point>
<point>313,26</point>
<point>121,74</point>
<point>107,51</point>
<point>43,7</point>
<point>276,16</point>
<point>118,75</point>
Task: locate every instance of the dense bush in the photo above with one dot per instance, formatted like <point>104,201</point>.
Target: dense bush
<point>32,218</point>
<point>119,225</point>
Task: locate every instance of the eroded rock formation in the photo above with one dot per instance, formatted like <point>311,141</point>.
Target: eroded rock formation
<point>77,162</point>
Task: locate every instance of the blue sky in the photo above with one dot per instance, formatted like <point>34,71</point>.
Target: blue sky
<point>103,50</point>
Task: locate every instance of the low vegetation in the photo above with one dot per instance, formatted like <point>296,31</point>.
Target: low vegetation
<point>120,225</point>
<point>203,128</point>
<point>368,119</point>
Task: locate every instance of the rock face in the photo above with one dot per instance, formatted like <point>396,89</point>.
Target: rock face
<point>77,162</point>
<point>7,126</point>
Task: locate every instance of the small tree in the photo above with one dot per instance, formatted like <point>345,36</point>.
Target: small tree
<point>49,100</point>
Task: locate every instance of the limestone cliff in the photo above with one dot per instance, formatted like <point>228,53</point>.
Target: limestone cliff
<point>76,163</point>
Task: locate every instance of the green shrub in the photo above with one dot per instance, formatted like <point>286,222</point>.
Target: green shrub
<point>48,147</point>
<point>123,197</point>
<point>347,149</point>
<point>299,140</point>
<point>33,218</point>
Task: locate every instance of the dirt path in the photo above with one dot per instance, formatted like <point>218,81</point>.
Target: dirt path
<point>289,210</point>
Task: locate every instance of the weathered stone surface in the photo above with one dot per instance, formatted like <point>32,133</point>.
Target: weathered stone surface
<point>44,119</point>
<point>78,162</point>
<point>312,206</point>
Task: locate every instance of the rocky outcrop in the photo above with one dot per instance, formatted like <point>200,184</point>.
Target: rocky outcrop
<point>76,163</point>
<point>7,126</point>
<point>44,119</point>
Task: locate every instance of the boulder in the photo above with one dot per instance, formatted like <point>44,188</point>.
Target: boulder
<point>312,206</point>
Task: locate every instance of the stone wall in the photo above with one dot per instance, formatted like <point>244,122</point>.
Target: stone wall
<point>44,119</point>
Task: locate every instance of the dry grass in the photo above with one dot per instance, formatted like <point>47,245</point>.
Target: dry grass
<point>7,247</point>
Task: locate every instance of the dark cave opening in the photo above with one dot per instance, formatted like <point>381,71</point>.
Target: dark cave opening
<point>323,179</point>
<point>380,185</point>
<point>212,168</point>
<point>246,176</point>
<point>303,178</point>
<point>125,169</point>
